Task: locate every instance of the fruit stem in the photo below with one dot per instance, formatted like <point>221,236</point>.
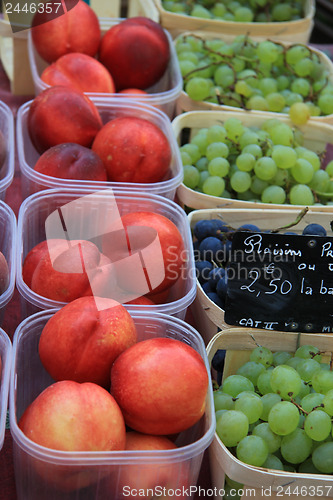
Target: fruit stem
<point>294,223</point>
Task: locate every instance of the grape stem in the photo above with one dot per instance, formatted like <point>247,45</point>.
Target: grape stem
<point>294,223</point>
<point>297,405</point>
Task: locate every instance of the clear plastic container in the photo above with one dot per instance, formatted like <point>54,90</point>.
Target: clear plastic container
<point>8,167</point>
<point>5,363</point>
<point>103,469</point>
<point>109,109</point>
<point>162,94</point>
<point>8,233</point>
<point>31,231</point>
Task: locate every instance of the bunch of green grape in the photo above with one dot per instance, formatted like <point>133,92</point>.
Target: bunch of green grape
<point>245,11</point>
<point>276,411</point>
<point>263,75</point>
<point>267,164</point>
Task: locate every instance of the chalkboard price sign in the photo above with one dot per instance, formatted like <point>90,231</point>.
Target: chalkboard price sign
<point>281,282</point>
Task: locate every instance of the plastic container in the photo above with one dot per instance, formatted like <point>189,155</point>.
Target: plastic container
<point>162,94</point>
<point>209,317</point>
<point>260,482</point>
<point>294,31</point>
<point>31,230</point>
<point>29,378</point>
<point>316,138</point>
<point>5,363</point>
<point>7,130</point>
<point>185,103</point>
<point>8,233</point>
<point>33,181</point>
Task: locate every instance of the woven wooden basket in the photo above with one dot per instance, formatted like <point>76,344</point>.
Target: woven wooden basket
<point>259,482</point>
<point>316,134</point>
<point>294,31</point>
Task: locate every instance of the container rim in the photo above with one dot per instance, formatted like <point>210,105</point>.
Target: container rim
<point>10,140</point>
<point>11,219</point>
<point>37,300</point>
<point>6,358</point>
<point>121,457</point>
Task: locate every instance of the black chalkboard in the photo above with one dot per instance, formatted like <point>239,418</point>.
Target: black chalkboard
<point>280,282</point>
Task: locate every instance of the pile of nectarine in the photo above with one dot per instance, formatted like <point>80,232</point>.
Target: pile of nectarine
<point>112,391</point>
<point>134,53</point>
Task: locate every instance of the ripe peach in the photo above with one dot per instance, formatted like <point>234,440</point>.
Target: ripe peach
<point>136,52</point>
<point>133,150</point>
<point>77,30</point>
<point>79,71</point>
<point>61,114</point>
<point>71,161</point>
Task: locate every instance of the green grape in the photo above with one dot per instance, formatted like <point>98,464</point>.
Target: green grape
<point>251,370</point>
<point>223,401</point>
<point>293,362</point>
<point>252,450</point>
<point>240,181</point>
<point>282,134</point>
<point>308,351</point>
<point>218,10</point>
<point>322,381</point>
<point>265,432</point>
<point>320,181</point>
<point>328,402</point>
<point>217,149</point>
<point>267,51</point>
<point>263,382</point>
<point>224,76</point>
<point>218,413</point>
<point>265,168</point>
<point>281,357</point>
<point>283,82</point>
<point>202,164</point>
<point>257,102</point>
<point>186,67</point>
<point>218,166</point>
<point>304,67</point>
<point>249,138</point>
<point>283,418</point>
<point>198,88</point>
<point>282,12</point>
<point>296,447</point>
<point>213,185</point>
<point>244,15</point>
<point>186,158</point>
<point>245,162</point>
<point>310,156</point>
<point>200,11</point>
<point>276,102</point>
<point>191,176</point>
<point>253,149</point>
<point>301,194</point>
<point>302,171</point>
<point>273,462</point>
<point>216,133</point>
<point>232,427</point>
<point>234,384</point>
<point>293,98</point>
<point>307,467</point>
<point>305,390</point>
<point>267,85</point>
<point>307,368</point>
<point>318,425</point>
<point>311,401</point>
<point>258,185</point>
<point>192,150</point>
<point>325,103</point>
<point>299,113</point>
<point>301,86</point>
<point>322,458</point>
<point>329,168</point>
<point>273,194</point>
<point>234,128</point>
<point>296,53</point>
<point>243,88</point>
<point>250,405</point>
<point>285,380</point>
<point>263,355</point>
<point>284,156</point>
<point>203,176</point>
<point>188,56</point>
<point>268,401</point>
